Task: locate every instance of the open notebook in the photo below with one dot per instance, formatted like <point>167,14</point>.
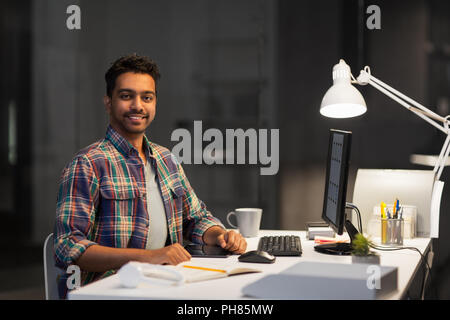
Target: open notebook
<point>200,271</point>
<point>132,273</point>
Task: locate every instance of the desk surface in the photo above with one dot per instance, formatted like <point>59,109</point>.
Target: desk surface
<point>407,261</point>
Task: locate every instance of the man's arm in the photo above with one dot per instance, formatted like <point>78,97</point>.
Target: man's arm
<point>75,212</point>
<point>99,258</point>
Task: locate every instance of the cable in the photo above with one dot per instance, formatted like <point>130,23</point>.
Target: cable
<point>383,248</point>
<point>422,289</point>
<point>352,206</point>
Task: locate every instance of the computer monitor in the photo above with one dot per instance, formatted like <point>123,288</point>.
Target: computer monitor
<point>334,203</point>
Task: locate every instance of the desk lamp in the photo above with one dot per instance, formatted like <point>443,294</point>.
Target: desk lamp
<point>343,100</point>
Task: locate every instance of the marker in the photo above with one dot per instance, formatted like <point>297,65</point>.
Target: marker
<point>383,210</point>
<point>319,241</point>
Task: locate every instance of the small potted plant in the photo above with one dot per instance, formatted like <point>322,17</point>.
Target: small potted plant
<point>361,252</point>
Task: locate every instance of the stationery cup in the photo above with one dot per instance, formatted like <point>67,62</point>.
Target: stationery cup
<point>248,221</point>
<point>392,231</point>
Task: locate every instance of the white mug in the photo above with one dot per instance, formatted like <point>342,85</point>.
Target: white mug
<point>248,221</point>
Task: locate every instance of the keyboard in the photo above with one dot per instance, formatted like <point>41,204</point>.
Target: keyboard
<point>281,245</point>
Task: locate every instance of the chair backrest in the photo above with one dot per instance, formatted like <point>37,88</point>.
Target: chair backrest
<point>51,272</point>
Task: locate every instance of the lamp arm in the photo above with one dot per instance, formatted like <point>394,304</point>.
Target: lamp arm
<point>432,116</point>
<point>426,114</point>
<point>440,164</point>
<point>408,99</point>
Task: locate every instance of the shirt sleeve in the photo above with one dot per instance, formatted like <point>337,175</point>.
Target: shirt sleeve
<point>75,211</point>
<point>196,218</point>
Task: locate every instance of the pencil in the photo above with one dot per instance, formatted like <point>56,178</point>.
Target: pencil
<point>205,269</point>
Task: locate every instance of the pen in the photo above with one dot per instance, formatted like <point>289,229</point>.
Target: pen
<point>397,208</point>
<point>394,209</point>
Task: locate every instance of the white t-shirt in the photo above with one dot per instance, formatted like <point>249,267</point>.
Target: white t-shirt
<point>157,230</point>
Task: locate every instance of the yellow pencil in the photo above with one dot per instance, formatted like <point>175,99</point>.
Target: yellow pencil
<point>206,269</point>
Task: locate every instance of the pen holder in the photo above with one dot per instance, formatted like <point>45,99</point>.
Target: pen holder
<point>392,231</point>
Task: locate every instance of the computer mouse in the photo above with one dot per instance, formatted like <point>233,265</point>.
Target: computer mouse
<point>257,256</point>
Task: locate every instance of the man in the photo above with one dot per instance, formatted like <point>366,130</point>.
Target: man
<point>125,198</point>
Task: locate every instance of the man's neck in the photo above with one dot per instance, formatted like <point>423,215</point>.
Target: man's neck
<point>136,140</point>
<point>138,143</point>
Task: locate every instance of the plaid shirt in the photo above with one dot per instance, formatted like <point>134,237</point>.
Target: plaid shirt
<point>102,200</point>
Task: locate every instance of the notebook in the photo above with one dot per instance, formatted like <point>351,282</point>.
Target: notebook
<point>133,273</point>
<point>194,272</point>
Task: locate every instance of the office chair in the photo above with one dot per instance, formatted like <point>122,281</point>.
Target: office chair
<point>51,272</point>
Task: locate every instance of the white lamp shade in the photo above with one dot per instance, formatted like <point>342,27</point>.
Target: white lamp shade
<point>342,100</point>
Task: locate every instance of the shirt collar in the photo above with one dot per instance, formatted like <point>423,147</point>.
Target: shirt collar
<point>123,146</point>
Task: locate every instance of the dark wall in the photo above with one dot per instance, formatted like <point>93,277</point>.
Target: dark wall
<point>15,123</point>
<point>309,46</point>
<point>313,37</point>
<point>408,53</point>
<point>231,64</point>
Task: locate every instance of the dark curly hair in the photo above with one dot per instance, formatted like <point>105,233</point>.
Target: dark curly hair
<point>130,63</point>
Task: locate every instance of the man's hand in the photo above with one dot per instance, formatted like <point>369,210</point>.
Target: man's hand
<point>232,241</point>
<point>173,254</point>
<point>229,240</point>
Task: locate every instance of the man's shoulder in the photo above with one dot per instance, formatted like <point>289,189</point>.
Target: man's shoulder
<point>100,150</point>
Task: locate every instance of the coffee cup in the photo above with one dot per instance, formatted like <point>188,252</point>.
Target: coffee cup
<point>248,221</point>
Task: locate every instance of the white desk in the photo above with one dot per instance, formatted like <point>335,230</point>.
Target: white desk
<point>407,261</point>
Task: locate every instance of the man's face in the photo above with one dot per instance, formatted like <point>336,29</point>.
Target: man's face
<point>132,105</point>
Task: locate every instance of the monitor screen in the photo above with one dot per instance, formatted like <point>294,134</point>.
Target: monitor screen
<point>336,179</point>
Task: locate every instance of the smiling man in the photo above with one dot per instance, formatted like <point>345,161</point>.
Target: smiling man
<point>125,198</point>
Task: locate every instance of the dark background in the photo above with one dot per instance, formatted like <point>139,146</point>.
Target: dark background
<point>230,64</point>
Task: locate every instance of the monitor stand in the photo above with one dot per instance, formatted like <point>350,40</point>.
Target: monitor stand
<point>342,249</point>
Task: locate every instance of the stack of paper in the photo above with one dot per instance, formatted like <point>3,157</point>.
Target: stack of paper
<point>320,232</point>
<point>313,280</point>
